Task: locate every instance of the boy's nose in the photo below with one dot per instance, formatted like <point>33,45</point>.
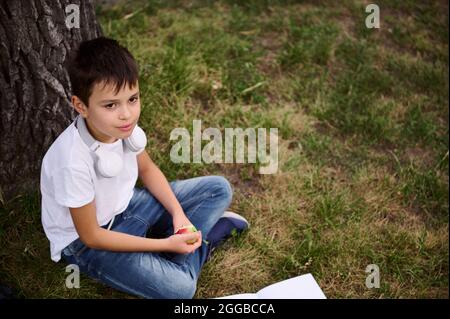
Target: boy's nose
<point>125,113</point>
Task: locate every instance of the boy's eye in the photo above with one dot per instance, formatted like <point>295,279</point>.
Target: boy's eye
<point>134,99</point>
<point>110,106</point>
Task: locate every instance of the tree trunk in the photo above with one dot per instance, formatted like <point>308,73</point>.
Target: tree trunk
<point>34,85</point>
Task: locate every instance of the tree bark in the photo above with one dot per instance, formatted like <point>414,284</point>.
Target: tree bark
<point>34,85</point>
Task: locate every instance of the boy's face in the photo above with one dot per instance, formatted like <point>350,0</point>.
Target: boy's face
<point>108,112</point>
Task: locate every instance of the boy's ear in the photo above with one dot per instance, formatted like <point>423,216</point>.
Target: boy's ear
<point>79,106</point>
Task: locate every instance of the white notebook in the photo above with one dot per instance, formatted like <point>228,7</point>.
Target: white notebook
<point>301,287</point>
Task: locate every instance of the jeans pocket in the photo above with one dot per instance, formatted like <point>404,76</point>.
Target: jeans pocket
<point>75,248</point>
<point>82,250</point>
<point>71,254</point>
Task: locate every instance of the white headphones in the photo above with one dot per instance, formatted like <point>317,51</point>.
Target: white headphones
<point>107,163</point>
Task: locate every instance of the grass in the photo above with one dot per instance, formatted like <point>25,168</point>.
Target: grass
<point>363,122</point>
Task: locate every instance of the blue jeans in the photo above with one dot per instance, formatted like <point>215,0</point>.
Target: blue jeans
<point>152,274</point>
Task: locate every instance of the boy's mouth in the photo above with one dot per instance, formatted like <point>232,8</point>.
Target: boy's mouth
<point>126,128</point>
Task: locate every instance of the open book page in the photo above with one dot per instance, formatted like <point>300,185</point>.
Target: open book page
<point>301,287</point>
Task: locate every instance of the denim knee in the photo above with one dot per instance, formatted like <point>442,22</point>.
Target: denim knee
<point>224,186</point>
<point>180,288</point>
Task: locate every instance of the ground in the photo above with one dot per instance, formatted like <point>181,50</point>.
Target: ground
<point>363,123</point>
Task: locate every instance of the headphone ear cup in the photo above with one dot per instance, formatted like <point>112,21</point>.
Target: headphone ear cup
<point>137,140</point>
<point>109,164</point>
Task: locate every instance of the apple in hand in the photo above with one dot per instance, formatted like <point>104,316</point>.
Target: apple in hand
<point>187,229</point>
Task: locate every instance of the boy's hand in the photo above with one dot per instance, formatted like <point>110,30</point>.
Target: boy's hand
<point>178,243</point>
<point>179,220</point>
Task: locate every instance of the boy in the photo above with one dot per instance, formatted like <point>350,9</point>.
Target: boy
<point>92,213</point>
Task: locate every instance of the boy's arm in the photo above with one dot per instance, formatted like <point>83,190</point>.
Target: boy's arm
<point>157,184</point>
<point>96,237</point>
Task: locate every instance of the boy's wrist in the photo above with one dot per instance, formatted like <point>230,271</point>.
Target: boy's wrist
<point>161,246</point>
<point>176,212</point>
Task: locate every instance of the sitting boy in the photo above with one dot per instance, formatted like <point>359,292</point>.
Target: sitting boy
<point>93,214</point>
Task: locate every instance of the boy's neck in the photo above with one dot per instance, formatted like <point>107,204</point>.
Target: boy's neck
<point>99,136</point>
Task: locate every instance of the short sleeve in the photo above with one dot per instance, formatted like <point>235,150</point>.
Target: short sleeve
<point>140,151</point>
<point>73,186</point>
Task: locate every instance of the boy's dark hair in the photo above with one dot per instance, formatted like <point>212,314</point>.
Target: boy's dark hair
<point>100,60</point>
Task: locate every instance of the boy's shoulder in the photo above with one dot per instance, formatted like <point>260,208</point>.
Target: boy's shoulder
<point>66,150</point>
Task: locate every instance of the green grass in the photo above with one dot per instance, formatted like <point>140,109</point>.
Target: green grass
<point>363,124</point>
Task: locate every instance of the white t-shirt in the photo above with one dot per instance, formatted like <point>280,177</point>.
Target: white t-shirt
<point>69,179</point>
